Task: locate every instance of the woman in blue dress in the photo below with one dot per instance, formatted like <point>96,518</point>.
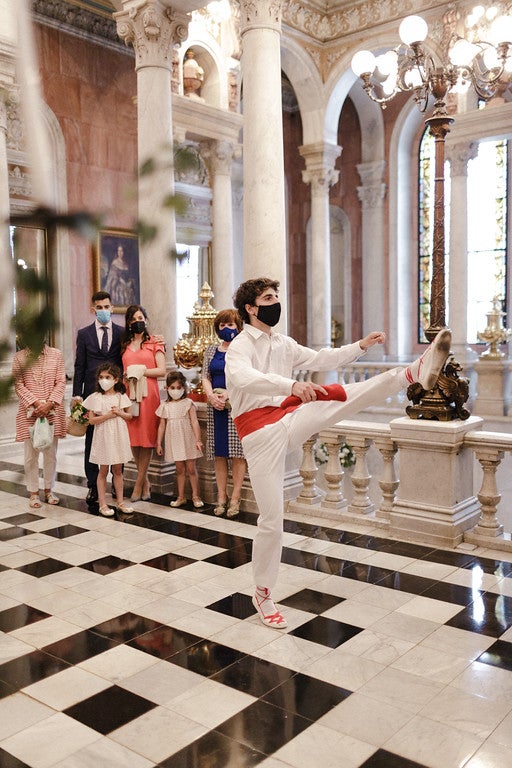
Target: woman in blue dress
<point>222,444</point>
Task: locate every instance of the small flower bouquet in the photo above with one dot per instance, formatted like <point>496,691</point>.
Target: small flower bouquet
<point>347,458</point>
<point>77,421</point>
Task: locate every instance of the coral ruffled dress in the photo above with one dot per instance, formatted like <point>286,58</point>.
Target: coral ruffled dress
<point>143,428</point>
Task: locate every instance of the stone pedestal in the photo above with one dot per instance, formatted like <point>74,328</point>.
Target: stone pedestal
<point>493,395</point>
<point>435,501</point>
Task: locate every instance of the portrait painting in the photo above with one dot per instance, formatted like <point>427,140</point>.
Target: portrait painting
<point>117,267</point>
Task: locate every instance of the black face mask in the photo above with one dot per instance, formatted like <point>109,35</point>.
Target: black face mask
<point>139,326</point>
<point>269,314</point>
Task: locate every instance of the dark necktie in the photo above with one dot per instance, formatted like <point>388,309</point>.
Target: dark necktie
<point>104,341</point>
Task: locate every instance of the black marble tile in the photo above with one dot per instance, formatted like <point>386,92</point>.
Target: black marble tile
<point>206,657</point>
<point>20,616</point>
<point>459,559</point>
<point>79,647</point>
<point>164,641</point>
<point>215,751</point>
<point>107,564</point>
<point>326,631</point>
<point>253,676</point>
<point>407,582</point>
<point>125,627</point>
<point>312,601</point>
<point>173,528</point>
<point>44,567</point>
<point>9,761</point>
<point>14,532</point>
<point>109,709</point>
<point>24,517</point>
<point>169,562</point>
<point>384,759</point>
<point>452,593</point>
<point>307,696</point>
<point>264,727</point>
<point>28,669</point>
<point>231,558</point>
<point>498,568</point>
<point>499,654</point>
<point>238,605</point>
<point>5,690</point>
<point>370,574</point>
<point>65,531</point>
<point>488,614</point>
<point>406,549</point>
<point>298,558</point>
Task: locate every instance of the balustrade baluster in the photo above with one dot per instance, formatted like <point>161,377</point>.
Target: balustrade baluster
<point>388,481</point>
<point>361,502</point>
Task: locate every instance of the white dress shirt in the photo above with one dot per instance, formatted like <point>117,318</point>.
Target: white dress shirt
<point>99,332</point>
<point>259,367</point>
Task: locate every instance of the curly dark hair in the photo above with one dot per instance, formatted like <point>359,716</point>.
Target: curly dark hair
<point>248,292</point>
<point>128,320</point>
<point>115,372</point>
<point>227,316</point>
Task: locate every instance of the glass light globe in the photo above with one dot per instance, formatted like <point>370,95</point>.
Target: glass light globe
<point>412,78</point>
<point>462,52</point>
<point>500,30</point>
<point>491,13</point>
<point>478,11</point>
<point>387,63</point>
<point>490,58</point>
<point>413,29</point>
<point>363,63</point>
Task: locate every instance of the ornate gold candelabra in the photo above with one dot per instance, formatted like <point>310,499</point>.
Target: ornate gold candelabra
<point>481,62</point>
<point>190,347</point>
<point>495,333</point>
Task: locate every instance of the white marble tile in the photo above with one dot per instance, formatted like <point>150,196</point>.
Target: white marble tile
<point>118,663</point>
<point>429,570</point>
<point>438,611</point>
<point>245,635</point>
<point>204,622</point>
<point>50,741</point>
<point>196,704</point>
<point>12,648</point>
<point>162,682</point>
<point>321,746</point>
<point>401,689</point>
<point>433,744</point>
<point>382,597</point>
<point>202,594</point>
<point>91,613</point>
<point>341,587</point>
<point>474,578</point>
<point>467,712</point>
<point>59,601</point>
<point>368,720</point>
<point>17,559</point>
<point>383,649</point>
<point>458,642</point>
<point>292,652</point>
<point>18,712</point>
<point>129,598</point>
<point>44,632</point>
<point>485,680</point>
<point>432,664</point>
<point>105,753</point>
<point>356,613</point>
<point>490,755</point>
<point>409,628</point>
<point>66,688</point>
<point>341,668</point>
<point>158,733</point>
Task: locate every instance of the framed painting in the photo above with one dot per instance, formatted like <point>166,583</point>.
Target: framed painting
<point>117,268</point>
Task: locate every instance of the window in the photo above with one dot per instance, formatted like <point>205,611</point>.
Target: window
<point>487,233</point>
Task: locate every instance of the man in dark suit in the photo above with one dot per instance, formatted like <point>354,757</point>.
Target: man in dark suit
<point>97,343</point>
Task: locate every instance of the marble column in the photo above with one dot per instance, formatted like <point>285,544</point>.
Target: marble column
<point>459,154</point>
<point>264,202</point>
<point>218,156</point>
<point>6,266</point>
<point>154,27</point>
<point>375,287</point>
<point>320,174</point>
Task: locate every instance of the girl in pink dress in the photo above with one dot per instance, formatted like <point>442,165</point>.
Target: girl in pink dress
<point>183,445</point>
<point>144,357</point>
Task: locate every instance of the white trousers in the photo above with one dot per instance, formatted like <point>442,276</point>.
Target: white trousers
<point>32,465</point>
<point>265,451</point>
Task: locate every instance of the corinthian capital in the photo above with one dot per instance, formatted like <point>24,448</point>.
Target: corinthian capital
<point>255,14</point>
<point>218,156</point>
<point>153,27</point>
<point>459,155</point>
<point>320,179</point>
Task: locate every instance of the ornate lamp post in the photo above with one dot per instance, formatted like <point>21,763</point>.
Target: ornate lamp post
<point>472,63</point>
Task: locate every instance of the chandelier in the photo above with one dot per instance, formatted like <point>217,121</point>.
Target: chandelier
<point>481,59</point>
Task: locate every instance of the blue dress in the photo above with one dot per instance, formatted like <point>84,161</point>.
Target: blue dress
<point>222,437</point>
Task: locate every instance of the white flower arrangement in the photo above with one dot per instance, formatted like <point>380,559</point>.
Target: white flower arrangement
<point>346,454</point>
<point>79,414</point>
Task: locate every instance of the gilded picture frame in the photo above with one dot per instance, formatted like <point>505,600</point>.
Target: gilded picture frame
<point>117,267</point>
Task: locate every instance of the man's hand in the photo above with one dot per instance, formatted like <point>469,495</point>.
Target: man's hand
<point>375,337</point>
<point>306,390</point>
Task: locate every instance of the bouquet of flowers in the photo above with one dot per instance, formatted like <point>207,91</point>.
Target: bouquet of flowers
<point>77,421</point>
<point>347,458</point>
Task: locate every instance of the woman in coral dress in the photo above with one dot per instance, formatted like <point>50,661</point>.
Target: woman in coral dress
<point>143,363</point>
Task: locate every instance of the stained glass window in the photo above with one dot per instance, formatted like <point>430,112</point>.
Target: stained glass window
<point>487,232</point>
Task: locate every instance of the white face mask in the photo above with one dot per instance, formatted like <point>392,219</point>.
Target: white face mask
<point>176,394</point>
<point>106,384</point>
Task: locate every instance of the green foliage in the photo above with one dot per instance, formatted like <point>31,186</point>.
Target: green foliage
<point>346,454</point>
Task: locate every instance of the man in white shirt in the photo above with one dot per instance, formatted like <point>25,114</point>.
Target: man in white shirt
<point>259,369</point>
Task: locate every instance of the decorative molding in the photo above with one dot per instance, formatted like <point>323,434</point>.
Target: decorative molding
<point>255,14</point>
<point>459,155</point>
<point>153,31</point>
<point>19,182</point>
<point>78,22</point>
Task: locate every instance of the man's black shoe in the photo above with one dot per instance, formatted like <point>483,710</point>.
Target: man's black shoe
<point>92,496</point>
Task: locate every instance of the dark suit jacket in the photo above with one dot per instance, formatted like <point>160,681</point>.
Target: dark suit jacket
<point>89,356</point>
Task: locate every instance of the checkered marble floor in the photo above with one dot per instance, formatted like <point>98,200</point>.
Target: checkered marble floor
<point>133,643</point>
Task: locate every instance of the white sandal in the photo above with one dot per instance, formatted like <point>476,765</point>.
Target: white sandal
<point>34,501</point>
<point>274,618</point>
